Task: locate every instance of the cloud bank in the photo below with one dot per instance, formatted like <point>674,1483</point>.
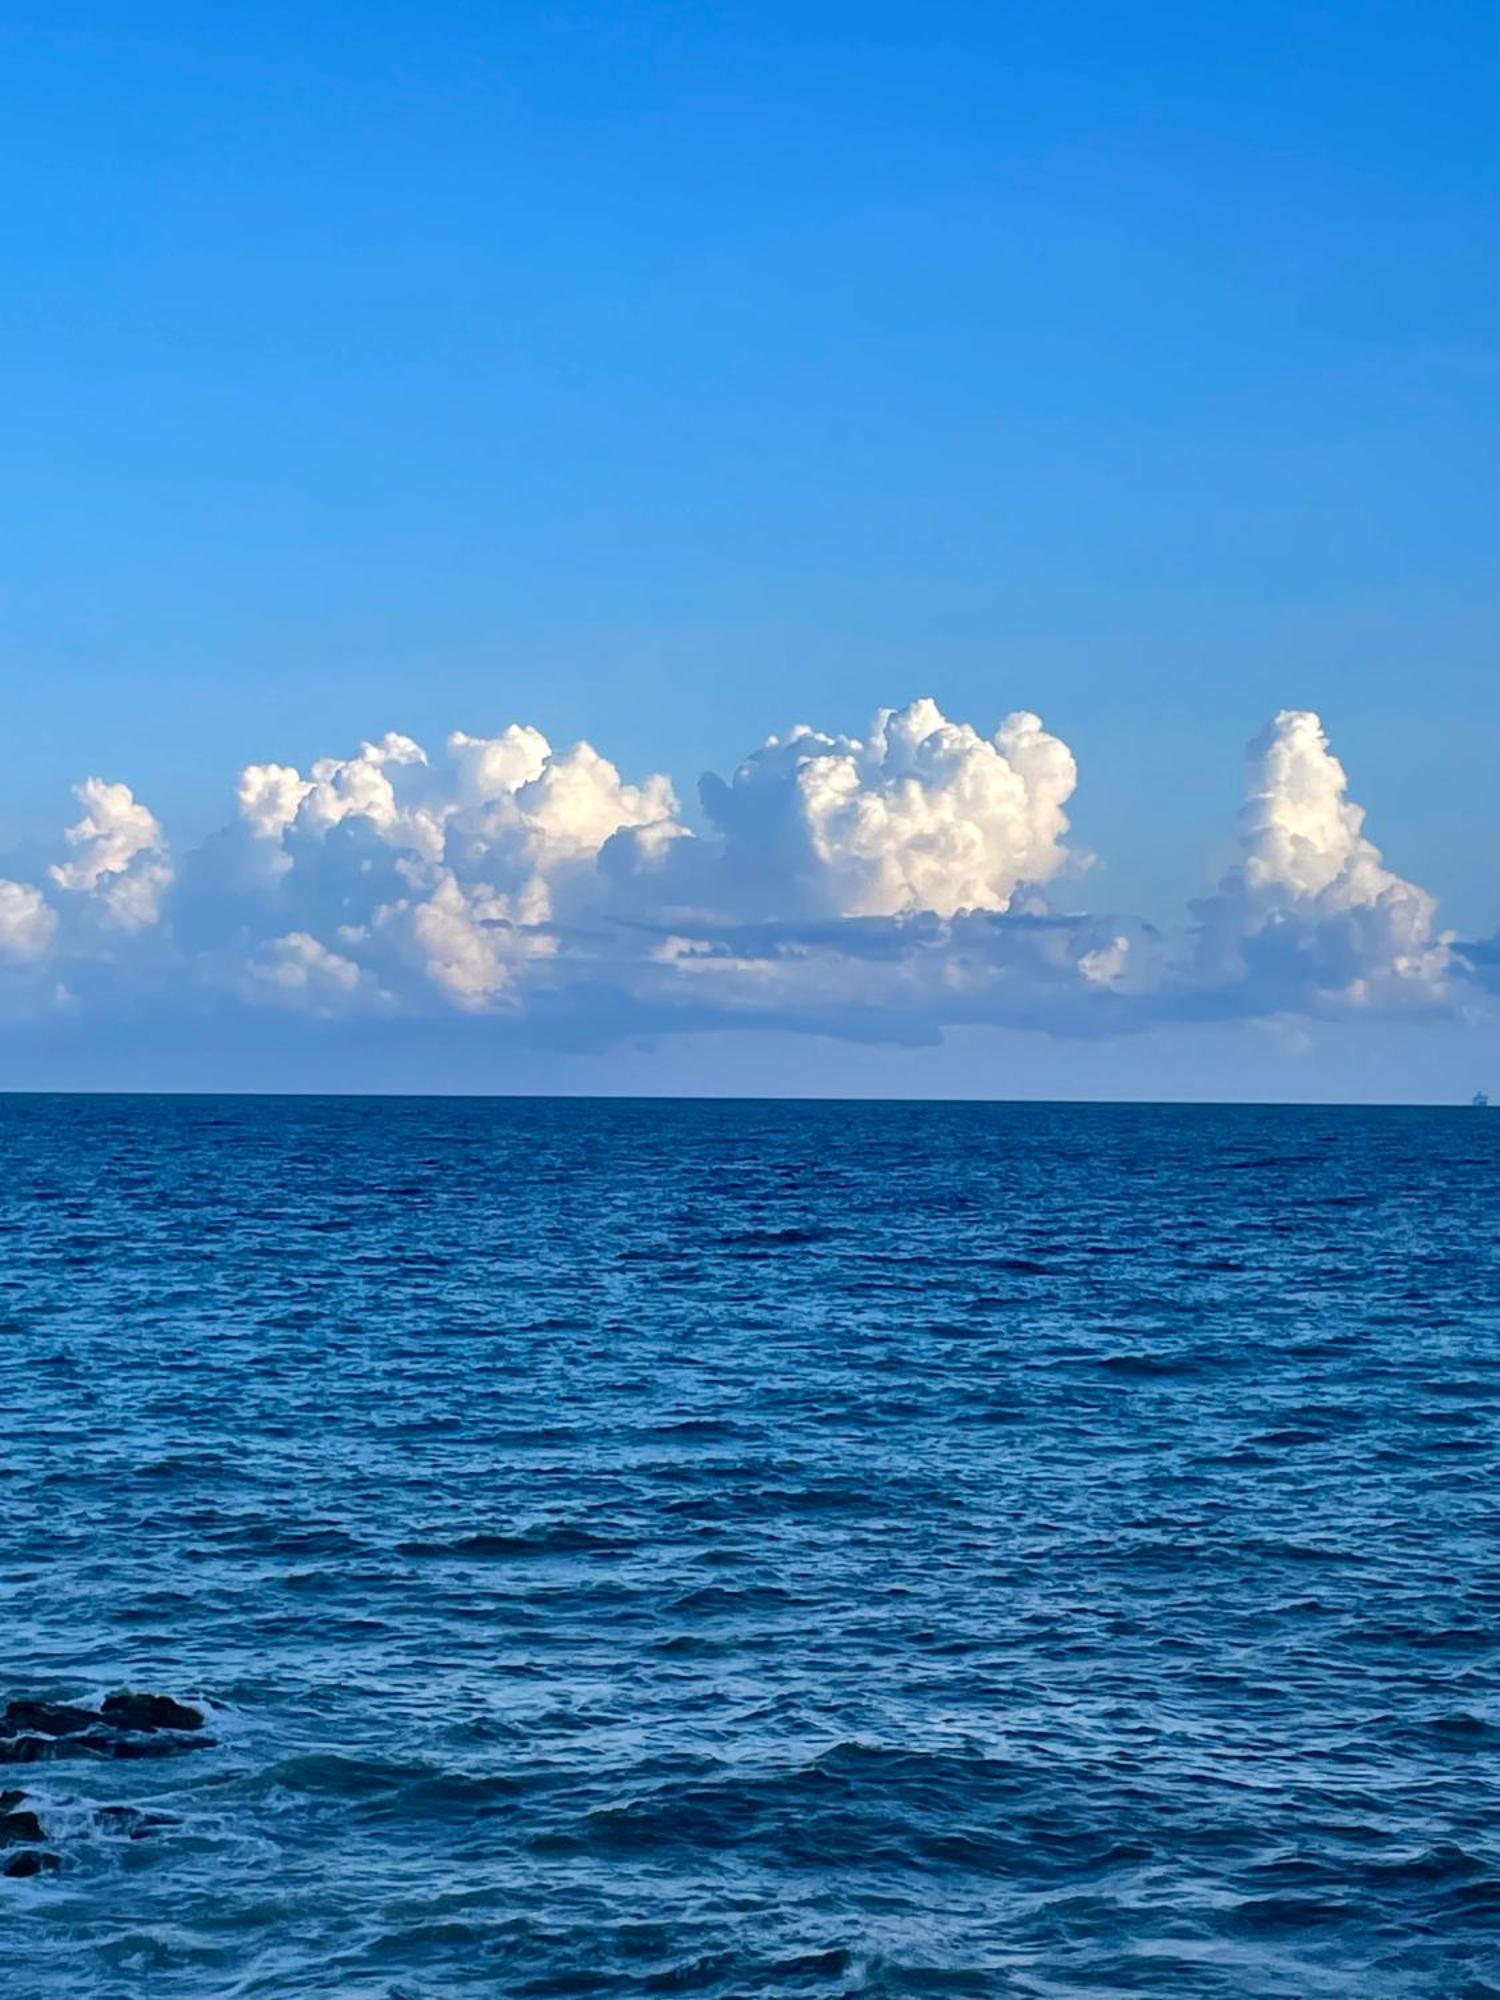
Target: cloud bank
<point>882,887</point>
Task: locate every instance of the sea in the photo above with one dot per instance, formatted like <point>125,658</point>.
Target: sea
<point>751,1548</point>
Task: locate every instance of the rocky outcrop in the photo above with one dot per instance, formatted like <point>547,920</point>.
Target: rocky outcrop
<point>22,1832</point>
<point>32,1861</point>
<point>19,1825</point>
<point>45,1718</point>
<point>127,1710</point>
<point>19,1828</point>
<point>133,1822</point>
<point>126,1724</point>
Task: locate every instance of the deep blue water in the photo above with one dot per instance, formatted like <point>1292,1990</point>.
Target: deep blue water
<point>739,1549</point>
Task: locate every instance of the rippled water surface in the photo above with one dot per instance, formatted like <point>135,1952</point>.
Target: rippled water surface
<point>756,1549</point>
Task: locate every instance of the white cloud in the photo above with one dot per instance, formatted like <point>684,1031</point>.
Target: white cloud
<point>275,799</point>
<point>465,943</point>
<point>1310,914</point>
<point>881,887</point>
<point>530,821</point>
<point>121,856</point>
<point>28,924</point>
<point>439,876</point>
<point>298,971</point>
<point>922,814</point>
<point>1106,964</point>
<point>492,767</point>
<point>270,797</point>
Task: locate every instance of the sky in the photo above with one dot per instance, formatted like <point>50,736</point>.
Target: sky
<point>665,377</point>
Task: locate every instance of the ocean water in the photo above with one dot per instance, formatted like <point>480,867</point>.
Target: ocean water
<point>739,1549</point>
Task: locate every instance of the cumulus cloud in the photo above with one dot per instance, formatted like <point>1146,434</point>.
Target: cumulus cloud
<point>883,886</point>
<point>27,925</point>
<point>435,877</point>
<point>299,972</point>
<point>535,820</point>
<point>922,814</point>
<point>120,856</point>
<point>1310,915</point>
<point>274,798</point>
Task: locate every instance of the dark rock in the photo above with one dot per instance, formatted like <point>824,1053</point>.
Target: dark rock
<point>9,1799</point>
<point>32,1861</point>
<point>169,1743</point>
<point>18,1826</point>
<point>134,1822</point>
<point>127,1724</point>
<point>46,1718</point>
<point>149,1711</point>
<point>27,1749</point>
<point>101,1742</point>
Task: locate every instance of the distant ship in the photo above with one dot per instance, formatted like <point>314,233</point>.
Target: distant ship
<point>1480,1101</point>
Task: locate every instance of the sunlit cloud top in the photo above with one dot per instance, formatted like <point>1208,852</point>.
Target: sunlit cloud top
<point>888,885</point>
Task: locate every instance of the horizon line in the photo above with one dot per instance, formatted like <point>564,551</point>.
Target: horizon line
<point>760,1097</point>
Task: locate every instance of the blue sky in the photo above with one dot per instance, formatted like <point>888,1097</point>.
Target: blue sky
<point>665,375</point>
